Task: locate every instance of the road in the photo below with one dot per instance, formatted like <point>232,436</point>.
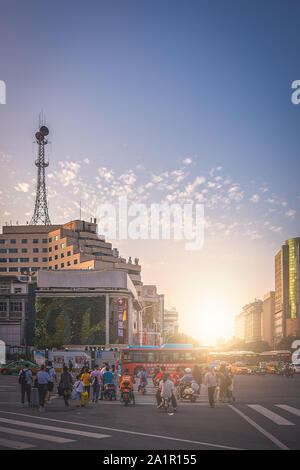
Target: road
<point>266,415</point>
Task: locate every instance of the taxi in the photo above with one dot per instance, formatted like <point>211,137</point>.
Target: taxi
<point>15,367</point>
<point>239,368</point>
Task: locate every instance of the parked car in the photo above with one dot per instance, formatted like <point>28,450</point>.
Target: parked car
<point>15,367</point>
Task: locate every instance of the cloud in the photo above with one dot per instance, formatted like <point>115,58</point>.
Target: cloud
<point>255,198</point>
<point>24,187</point>
<point>187,161</point>
<point>290,213</point>
<point>86,161</point>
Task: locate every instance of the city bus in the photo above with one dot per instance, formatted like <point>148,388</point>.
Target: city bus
<point>247,358</point>
<point>276,356</point>
<point>169,355</point>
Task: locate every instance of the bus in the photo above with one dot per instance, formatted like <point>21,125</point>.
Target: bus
<point>247,358</point>
<point>276,356</point>
<point>169,355</point>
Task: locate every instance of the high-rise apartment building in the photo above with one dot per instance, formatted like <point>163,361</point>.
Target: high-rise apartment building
<point>268,313</point>
<point>248,324</point>
<point>287,290</point>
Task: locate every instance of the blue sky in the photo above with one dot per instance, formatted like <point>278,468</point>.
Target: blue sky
<point>146,89</point>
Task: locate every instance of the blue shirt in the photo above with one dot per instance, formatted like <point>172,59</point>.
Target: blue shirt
<point>107,378</point>
<point>43,377</point>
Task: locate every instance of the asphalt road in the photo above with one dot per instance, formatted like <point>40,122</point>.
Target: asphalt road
<point>266,415</point>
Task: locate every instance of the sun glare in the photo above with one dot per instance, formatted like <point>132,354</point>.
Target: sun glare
<point>212,322</point>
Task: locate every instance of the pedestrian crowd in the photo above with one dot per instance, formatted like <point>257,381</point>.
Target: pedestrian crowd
<point>83,386</point>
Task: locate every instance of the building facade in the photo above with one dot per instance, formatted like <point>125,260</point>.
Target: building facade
<point>268,317</point>
<point>248,324</point>
<point>27,249</point>
<point>85,307</point>
<point>150,319</point>
<point>287,290</point>
<point>17,311</point>
<point>171,323</point>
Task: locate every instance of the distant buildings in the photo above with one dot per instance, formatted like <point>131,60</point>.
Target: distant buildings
<point>248,323</point>
<point>171,324</point>
<point>280,310</point>
<point>150,319</point>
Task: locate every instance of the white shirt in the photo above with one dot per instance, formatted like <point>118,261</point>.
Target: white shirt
<point>167,388</point>
<point>78,386</point>
<point>210,379</point>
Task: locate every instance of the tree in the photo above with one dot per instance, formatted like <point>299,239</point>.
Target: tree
<point>182,338</point>
<point>85,327</point>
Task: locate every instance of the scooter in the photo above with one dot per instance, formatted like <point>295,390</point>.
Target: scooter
<point>188,392</point>
<point>125,394</point>
<point>110,392</point>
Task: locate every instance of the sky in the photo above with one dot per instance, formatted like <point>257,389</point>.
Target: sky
<point>174,101</point>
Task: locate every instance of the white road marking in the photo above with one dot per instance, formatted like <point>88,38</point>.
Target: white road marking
<point>271,415</point>
<point>260,429</point>
<point>135,433</point>
<point>291,409</point>
<point>54,428</point>
<point>44,437</point>
<point>15,444</point>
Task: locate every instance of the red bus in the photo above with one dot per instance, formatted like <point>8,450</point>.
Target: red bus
<point>169,356</point>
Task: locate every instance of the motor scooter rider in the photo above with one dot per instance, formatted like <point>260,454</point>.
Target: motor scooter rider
<point>143,378</point>
<point>127,378</point>
<point>166,389</point>
<point>158,377</point>
<point>185,380</point>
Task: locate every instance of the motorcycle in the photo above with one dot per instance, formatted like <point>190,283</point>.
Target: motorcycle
<point>126,394</point>
<point>110,392</point>
<point>188,391</point>
<point>143,387</point>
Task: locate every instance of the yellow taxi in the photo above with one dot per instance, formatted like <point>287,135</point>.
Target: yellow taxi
<point>239,368</point>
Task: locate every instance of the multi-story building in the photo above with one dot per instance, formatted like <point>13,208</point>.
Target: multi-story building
<point>268,314</point>
<point>85,307</point>
<point>248,323</point>
<point>27,249</point>
<point>150,319</point>
<point>287,290</point>
<point>17,311</point>
<point>171,324</point>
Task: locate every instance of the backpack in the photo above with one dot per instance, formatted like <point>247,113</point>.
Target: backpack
<point>22,378</point>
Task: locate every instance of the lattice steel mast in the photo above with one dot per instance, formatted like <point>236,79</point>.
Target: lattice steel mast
<point>40,215</point>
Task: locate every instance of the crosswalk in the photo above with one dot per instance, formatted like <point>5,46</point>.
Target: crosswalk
<point>18,430</point>
<point>276,417</point>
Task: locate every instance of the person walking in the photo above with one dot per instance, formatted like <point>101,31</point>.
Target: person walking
<point>86,379</point>
<point>115,377</point>
<point>43,378</point>
<point>66,384</point>
<point>197,374</point>
<point>96,382</point>
<point>210,380</point>
<point>25,380</point>
<point>78,389</point>
<point>52,375</point>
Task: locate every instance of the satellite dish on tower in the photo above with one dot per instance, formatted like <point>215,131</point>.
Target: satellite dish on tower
<point>44,130</point>
<point>39,136</point>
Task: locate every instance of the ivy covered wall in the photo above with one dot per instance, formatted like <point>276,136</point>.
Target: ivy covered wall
<point>69,320</point>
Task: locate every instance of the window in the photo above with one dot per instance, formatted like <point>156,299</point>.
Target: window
<point>50,240</point>
<point>50,258</point>
<point>56,237</point>
<point>45,260</point>
<point>13,260</point>
<point>35,240</point>
<point>24,250</point>
<point>44,240</point>
<point>3,306</point>
<point>75,261</point>
<point>56,247</point>
<point>13,250</point>
<point>2,270</point>
<point>2,242</point>
<point>68,264</point>
<point>50,248</point>
<point>35,260</point>
<point>14,270</point>
<point>13,241</point>
<point>18,290</point>
<point>56,266</point>
<point>24,240</point>
<point>24,260</point>
<point>69,253</point>
<point>23,269</point>
<point>16,306</point>
<point>56,257</point>
<point>62,245</point>
<point>62,255</point>
<point>50,267</point>
<point>45,250</point>
<point>3,260</point>
<point>2,250</point>
<point>62,265</point>
<point>35,250</point>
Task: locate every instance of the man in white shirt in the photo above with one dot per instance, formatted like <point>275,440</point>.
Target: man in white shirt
<point>167,389</point>
<point>210,381</point>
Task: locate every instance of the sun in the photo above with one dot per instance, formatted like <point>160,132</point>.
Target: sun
<point>212,321</point>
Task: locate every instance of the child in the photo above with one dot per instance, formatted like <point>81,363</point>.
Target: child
<point>78,388</point>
